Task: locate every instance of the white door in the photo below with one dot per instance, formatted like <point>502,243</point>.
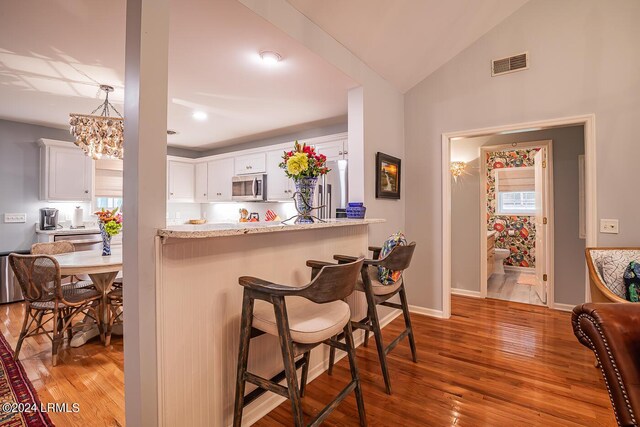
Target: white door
<point>542,207</point>
<point>201,183</point>
<point>181,181</point>
<point>278,184</point>
<point>70,173</point>
<point>220,173</point>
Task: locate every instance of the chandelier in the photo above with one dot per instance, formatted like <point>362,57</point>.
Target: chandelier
<point>99,135</point>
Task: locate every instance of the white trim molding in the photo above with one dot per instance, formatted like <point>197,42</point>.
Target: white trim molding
<point>586,120</point>
<point>563,307</point>
<point>424,311</point>
<point>466,293</point>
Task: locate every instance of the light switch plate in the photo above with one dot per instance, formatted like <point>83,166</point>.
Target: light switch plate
<point>15,217</point>
<point>609,226</point>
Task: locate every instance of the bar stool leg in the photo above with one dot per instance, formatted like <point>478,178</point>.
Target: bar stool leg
<point>284,337</point>
<point>407,323</point>
<point>377,333</point>
<point>243,357</point>
<point>355,376</point>
<point>305,373</point>
<point>332,357</point>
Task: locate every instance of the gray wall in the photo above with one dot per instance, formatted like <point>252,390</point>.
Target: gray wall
<point>581,62</point>
<point>20,179</point>
<point>568,144</point>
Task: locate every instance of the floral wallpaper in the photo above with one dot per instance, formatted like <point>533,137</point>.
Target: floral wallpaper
<point>522,242</point>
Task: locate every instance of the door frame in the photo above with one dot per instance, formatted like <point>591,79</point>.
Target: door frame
<point>548,144</point>
<point>589,123</point>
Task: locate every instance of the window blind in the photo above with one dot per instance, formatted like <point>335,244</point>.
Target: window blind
<point>515,179</point>
<point>108,178</point>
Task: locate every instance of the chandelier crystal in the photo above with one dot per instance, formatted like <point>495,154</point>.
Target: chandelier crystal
<point>99,135</point>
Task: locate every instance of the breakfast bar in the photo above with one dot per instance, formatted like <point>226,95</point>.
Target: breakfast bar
<point>199,305</point>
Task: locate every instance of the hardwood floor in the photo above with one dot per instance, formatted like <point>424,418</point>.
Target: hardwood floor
<point>91,375</point>
<point>513,286</point>
<point>494,363</point>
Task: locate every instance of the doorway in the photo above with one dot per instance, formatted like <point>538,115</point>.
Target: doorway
<point>589,231</point>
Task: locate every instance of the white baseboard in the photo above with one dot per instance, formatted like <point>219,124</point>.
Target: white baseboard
<point>426,311</point>
<point>268,403</point>
<point>563,307</point>
<point>466,293</point>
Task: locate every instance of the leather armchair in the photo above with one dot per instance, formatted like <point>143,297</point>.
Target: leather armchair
<point>612,331</point>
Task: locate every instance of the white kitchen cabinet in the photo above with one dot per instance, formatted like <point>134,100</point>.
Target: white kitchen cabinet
<point>65,172</point>
<point>202,183</point>
<point>334,150</point>
<point>279,186</point>
<point>219,175</point>
<point>250,163</point>
<point>181,181</point>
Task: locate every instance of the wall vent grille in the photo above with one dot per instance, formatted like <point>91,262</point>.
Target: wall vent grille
<point>510,64</point>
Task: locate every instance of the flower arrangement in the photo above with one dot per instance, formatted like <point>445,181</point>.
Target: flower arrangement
<point>111,221</point>
<point>304,162</point>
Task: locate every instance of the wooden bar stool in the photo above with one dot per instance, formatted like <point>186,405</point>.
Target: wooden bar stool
<point>302,318</point>
<point>376,293</point>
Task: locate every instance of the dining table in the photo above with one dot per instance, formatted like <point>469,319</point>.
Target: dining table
<point>103,270</point>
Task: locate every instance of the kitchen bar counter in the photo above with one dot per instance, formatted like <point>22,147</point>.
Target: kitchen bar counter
<point>199,302</point>
<point>236,229</point>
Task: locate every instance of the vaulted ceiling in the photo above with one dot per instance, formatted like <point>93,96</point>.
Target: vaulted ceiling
<point>406,40</point>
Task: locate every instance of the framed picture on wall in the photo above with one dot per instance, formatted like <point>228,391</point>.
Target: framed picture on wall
<point>388,174</point>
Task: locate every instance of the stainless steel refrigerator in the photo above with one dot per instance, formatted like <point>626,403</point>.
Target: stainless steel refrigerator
<point>333,189</point>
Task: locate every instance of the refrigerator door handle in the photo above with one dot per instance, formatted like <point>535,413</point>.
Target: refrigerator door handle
<point>329,198</point>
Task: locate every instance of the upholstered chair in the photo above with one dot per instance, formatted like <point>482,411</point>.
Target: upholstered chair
<point>606,267</point>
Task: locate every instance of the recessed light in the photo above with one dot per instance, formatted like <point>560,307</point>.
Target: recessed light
<point>199,115</point>
<point>270,57</point>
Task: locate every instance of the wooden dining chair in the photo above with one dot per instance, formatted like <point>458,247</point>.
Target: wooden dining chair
<point>377,293</point>
<point>57,248</point>
<point>46,300</point>
<point>301,318</point>
<point>114,311</point>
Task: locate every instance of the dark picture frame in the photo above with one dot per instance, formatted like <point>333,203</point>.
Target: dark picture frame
<point>388,176</point>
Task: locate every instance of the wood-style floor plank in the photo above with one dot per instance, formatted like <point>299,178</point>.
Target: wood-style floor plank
<point>494,363</point>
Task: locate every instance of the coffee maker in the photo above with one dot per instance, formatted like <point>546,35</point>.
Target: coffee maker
<point>48,219</point>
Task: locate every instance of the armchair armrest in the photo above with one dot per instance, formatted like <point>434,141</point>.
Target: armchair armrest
<point>316,266</point>
<point>268,287</point>
<point>344,259</point>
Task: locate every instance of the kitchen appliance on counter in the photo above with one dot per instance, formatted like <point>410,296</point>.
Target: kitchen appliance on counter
<point>48,219</point>
<point>333,190</point>
<point>9,287</point>
<point>249,188</point>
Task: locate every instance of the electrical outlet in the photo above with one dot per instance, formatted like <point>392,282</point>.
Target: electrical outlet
<point>15,217</point>
<point>609,226</point>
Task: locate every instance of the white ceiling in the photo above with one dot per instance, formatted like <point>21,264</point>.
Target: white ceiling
<point>54,53</point>
<point>406,40</point>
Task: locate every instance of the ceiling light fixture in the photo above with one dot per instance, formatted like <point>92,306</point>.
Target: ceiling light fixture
<point>200,115</point>
<point>99,136</point>
<point>270,57</point>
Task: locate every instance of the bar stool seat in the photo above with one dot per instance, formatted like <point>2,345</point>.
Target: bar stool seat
<point>308,322</point>
<point>377,286</point>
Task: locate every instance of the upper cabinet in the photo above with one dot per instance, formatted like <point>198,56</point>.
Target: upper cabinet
<point>65,172</point>
<point>202,178</point>
<point>279,186</point>
<point>250,163</point>
<point>181,181</point>
<point>220,173</point>
<point>334,150</point>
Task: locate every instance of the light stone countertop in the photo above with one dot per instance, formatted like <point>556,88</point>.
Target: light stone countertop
<point>66,230</point>
<point>238,229</point>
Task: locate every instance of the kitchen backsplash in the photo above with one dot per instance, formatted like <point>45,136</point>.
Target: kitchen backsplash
<point>228,212</point>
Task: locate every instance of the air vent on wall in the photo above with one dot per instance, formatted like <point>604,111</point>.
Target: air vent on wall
<point>510,64</point>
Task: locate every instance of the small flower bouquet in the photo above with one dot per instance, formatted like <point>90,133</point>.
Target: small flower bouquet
<point>110,223</point>
<point>303,162</point>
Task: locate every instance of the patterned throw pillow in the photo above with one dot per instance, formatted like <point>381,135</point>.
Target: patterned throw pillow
<point>612,267</point>
<point>632,281</point>
<point>386,276</point>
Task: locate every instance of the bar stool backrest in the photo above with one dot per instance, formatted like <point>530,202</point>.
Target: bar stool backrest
<point>399,258</point>
<point>38,276</point>
<point>333,282</point>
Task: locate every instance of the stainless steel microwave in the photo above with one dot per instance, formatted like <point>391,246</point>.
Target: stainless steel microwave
<point>249,188</point>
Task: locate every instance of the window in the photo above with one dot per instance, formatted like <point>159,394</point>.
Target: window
<point>108,202</point>
<point>515,191</point>
<point>517,202</point>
